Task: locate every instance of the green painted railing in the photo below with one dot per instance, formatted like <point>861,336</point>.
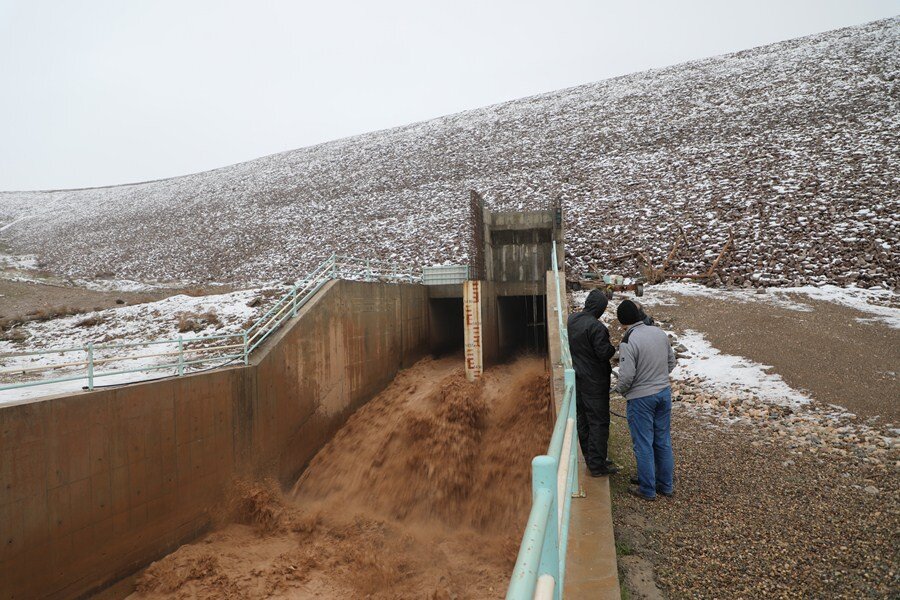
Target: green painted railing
<point>179,354</point>
<point>541,564</point>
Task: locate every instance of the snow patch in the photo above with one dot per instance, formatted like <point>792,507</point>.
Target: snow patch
<point>734,373</point>
<point>882,305</point>
<point>128,324</point>
<point>23,262</point>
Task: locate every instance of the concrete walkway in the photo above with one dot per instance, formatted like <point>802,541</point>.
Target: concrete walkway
<point>591,571</point>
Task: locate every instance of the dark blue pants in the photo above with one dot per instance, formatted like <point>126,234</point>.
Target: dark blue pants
<point>592,417</point>
<point>649,420</point>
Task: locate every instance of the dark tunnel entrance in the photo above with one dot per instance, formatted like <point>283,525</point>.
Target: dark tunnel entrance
<point>447,333</point>
<point>522,325</point>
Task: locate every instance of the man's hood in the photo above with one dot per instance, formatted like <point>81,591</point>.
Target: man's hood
<point>596,303</point>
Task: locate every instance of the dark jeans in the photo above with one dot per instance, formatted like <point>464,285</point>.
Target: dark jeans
<point>592,413</point>
<point>649,419</point>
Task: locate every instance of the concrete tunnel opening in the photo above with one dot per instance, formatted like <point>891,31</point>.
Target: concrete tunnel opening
<point>447,326</point>
<point>522,325</point>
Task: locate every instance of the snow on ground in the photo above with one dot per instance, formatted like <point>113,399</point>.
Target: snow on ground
<point>138,323</point>
<point>121,285</point>
<point>733,374</point>
<point>882,305</point>
<point>724,372</point>
<point>791,145</point>
<point>737,375</point>
<point>25,262</point>
<point>28,269</point>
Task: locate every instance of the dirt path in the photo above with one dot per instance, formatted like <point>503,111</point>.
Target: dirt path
<point>18,298</point>
<point>422,494</point>
<point>827,352</point>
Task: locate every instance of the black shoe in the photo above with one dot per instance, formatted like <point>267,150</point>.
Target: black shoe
<point>636,492</point>
<point>636,481</point>
<point>606,470</point>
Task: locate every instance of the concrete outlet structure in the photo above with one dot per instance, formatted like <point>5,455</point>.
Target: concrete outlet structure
<point>96,485</point>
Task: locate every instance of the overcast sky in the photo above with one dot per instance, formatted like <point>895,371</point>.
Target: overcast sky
<point>105,92</point>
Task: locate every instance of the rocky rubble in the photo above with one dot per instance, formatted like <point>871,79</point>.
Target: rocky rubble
<point>792,146</point>
<point>811,428</point>
<point>770,502</point>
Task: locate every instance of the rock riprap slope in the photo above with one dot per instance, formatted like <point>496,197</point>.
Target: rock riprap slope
<point>794,146</point>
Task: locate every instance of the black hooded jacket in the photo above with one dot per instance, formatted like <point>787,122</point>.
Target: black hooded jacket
<point>589,344</point>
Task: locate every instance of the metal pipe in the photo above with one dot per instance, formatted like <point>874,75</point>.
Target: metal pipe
<point>525,573</point>
<point>13,386</point>
<point>559,428</point>
<point>98,361</point>
<point>545,588</point>
<point>167,365</point>
<point>562,477</point>
<point>180,357</point>
<point>544,472</point>
<point>567,511</point>
<point>90,369</point>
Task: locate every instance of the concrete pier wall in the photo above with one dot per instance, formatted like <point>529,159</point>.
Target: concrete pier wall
<point>95,485</point>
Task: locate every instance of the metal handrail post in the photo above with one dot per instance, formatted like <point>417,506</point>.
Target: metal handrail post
<point>90,365</point>
<point>543,477</point>
<point>246,349</point>
<point>294,302</point>
<point>180,356</point>
<point>569,378</point>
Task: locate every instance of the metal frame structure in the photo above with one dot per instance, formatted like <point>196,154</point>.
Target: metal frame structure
<point>541,564</point>
<point>222,349</point>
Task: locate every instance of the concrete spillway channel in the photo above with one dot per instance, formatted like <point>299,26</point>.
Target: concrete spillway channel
<point>98,485</point>
<point>350,458</point>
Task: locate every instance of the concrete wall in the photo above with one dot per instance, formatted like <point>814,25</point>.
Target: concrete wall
<point>553,339</point>
<point>518,245</point>
<point>95,485</point>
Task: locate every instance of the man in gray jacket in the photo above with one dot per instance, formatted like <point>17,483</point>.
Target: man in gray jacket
<point>645,361</point>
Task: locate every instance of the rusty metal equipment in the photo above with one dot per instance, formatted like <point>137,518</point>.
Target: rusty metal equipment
<point>712,268</point>
<point>608,283</point>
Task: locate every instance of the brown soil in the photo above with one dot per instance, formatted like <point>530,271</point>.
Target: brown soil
<point>828,352</point>
<point>18,298</point>
<point>422,494</point>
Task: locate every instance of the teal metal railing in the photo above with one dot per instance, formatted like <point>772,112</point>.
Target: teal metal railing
<point>541,564</point>
<point>180,354</point>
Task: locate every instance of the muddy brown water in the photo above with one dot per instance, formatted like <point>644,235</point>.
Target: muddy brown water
<point>424,493</point>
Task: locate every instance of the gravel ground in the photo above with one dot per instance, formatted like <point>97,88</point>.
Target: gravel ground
<point>829,352</point>
<point>759,515</point>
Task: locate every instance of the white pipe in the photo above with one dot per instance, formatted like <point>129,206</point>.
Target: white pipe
<point>544,588</point>
<point>562,475</point>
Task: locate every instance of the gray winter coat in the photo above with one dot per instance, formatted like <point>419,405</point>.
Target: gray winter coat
<point>645,362</point>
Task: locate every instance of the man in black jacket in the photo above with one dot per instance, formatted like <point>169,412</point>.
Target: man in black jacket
<point>591,351</point>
